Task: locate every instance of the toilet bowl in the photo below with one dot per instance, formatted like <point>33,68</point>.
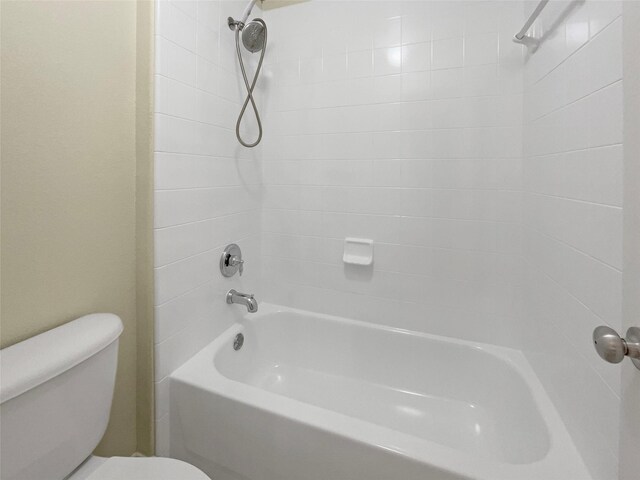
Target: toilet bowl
<point>55,397</point>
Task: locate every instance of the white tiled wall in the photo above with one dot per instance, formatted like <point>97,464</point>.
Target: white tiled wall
<point>572,217</point>
<point>400,122</point>
<point>207,187</point>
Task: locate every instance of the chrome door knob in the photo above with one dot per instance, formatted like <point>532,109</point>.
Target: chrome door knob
<point>608,344</point>
<point>612,348</point>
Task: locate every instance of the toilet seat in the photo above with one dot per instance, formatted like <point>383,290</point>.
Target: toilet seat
<point>137,468</point>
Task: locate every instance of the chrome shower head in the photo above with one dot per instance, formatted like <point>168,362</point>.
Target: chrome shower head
<point>253,35</point>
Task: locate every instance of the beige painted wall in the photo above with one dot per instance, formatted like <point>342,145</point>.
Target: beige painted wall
<point>69,166</point>
<point>144,228</point>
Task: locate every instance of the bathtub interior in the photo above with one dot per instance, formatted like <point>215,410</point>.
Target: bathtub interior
<point>451,393</point>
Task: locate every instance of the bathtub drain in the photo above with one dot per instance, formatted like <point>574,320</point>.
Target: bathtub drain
<point>238,341</point>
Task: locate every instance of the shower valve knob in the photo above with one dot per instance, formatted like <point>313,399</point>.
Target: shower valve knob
<point>237,261</point>
<point>612,348</point>
<point>231,261</point>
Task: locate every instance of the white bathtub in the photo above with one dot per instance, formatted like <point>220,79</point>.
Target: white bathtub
<point>315,397</point>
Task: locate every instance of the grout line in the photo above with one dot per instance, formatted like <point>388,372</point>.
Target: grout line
<point>394,216</point>
<point>391,187</point>
<point>397,300</point>
<point>575,249</point>
<point>183,294</point>
<point>162,227</point>
<point>211,157</point>
<point>410,130</point>
<point>184,119</point>
<point>580,302</point>
<point>195,87</point>
<point>532,121</point>
<point>474,281</point>
<point>207,251</point>
<point>222,217</point>
<point>229,186</point>
<point>170,152</point>
<point>575,51</point>
<point>398,101</point>
<point>576,150</point>
<point>576,200</point>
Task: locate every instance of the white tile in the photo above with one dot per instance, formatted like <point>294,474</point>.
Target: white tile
<point>577,28</point>
<point>208,44</point>
<point>593,175</point>
<point>602,13</point>
<point>310,70</point>
<point>448,53</point>
<point>604,55</point>
<point>334,67</point>
<point>180,63</point>
<point>176,25</point>
<point>605,116</point>
<point>359,37</point>
<point>360,63</point>
<point>387,61</point>
<point>388,32</point>
<point>208,13</point>
<point>416,28</point>
<point>177,278</point>
<point>416,57</point>
<point>416,86</point>
<point>596,230</point>
<point>190,7</point>
<point>480,48</point>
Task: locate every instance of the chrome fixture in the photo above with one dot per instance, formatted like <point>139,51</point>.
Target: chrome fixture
<point>253,33</point>
<point>254,39</point>
<point>613,349</point>
<point>231,261</point>
<point>245,15</point>
<point>521,36</point>
<point>246,299</point>
<point>238,341</point>
<point>254,36</point>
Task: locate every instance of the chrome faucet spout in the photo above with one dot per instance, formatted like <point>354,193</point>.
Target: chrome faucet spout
<point>246,299</point>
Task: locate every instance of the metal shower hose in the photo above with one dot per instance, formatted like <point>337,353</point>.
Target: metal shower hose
<point>250,87</point>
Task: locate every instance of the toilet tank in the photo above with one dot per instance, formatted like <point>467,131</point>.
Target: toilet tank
<point>55,396</point>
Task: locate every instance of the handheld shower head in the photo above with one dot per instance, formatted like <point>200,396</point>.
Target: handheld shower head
<point>253,36</point>
<point>254,39</point>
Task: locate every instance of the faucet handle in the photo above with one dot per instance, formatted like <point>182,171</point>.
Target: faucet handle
<point>237,261</point>
<point>231,261</point>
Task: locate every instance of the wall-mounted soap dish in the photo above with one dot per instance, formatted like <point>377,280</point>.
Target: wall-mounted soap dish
<point>358,251</point>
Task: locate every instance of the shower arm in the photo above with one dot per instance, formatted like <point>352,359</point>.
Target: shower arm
<point>233,24</point>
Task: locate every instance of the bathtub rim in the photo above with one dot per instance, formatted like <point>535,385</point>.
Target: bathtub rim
<point>562,459</point>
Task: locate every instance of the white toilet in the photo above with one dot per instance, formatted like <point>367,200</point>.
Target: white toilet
<point>55,395</point>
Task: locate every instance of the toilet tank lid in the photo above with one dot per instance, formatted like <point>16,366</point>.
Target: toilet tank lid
<point>27,364</point>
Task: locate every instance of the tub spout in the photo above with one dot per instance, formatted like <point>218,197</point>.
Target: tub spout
<point>245,299</point>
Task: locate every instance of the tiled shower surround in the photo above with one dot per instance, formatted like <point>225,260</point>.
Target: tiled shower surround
<point>400,122</point>
<point>572,219</point>
<point>489,178</point>
<point>208,189</point>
